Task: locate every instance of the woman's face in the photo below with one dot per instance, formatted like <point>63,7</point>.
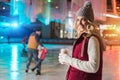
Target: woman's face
<point>78,26</point>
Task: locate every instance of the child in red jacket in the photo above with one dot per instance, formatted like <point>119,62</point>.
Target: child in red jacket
<point>42,51</point>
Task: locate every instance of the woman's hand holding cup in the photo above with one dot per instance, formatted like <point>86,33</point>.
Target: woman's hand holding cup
<point>62,55</point>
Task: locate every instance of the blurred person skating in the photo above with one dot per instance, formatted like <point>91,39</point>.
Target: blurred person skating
<point>86,62</point>
<point>33,43</point>
<point>42,51</point>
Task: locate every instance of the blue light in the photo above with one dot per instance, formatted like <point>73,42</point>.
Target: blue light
<point>1,37</point>
<point>4,24</point>
<point>14,24</point>
<point>10,24</point>
<point>3,8</point>
<point>14,65</point>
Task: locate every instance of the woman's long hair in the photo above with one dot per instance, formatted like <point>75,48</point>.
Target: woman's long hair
<point>92,29</point>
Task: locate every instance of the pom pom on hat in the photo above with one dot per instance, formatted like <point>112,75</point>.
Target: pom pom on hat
<point>86,11</point>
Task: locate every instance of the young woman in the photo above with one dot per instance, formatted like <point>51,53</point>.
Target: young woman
<point>87,60</point>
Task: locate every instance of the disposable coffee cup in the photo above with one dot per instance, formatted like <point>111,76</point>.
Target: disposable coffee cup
<point>65,51</point>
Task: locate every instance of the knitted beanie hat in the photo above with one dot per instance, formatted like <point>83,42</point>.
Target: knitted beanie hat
<point>86,11</point>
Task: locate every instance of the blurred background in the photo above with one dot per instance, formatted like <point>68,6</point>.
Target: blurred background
<point>18,18</point>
